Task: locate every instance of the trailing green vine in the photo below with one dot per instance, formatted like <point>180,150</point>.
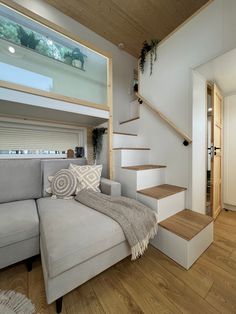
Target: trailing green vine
<point>97,137</point>
<point>148,47</point>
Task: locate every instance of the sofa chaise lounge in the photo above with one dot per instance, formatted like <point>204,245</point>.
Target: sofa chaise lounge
<point>75,242</point>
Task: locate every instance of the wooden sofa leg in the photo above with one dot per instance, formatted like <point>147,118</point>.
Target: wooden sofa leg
<point>29,263</point>
<point>59,305</point>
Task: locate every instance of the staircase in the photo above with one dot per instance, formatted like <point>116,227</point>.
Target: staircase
<point>183,234</point>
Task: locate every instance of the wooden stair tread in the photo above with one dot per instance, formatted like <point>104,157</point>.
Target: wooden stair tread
<point>161,191</point>
<point>143,167</point>
<point>186,224</point>
<point>129,120</point>
<point>122,133</point>
<point>131,148</point>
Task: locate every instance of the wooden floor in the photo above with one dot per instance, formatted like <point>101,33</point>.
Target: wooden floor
<point>152,284</point>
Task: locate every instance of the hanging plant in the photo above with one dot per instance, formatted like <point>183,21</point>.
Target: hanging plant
<point>97,136</point>
<point>152,48</point>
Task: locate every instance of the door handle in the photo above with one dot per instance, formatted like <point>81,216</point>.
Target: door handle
<point>215,149</point>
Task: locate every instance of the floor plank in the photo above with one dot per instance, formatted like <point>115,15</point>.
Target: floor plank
<point>83,301</point>
<point>174,289</point>
<point>112,295</point>
<point>152,284</point>
<point>191,278</point>
<point>142,290</point>
<point>222,294</point>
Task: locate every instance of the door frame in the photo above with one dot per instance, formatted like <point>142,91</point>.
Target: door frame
<point>216,91</point>
<point>209,86</point>
<point>198,172</point>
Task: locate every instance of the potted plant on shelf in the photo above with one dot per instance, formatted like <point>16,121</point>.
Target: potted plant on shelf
<point>78,58</point>
<point>68,58</point>
<point>28,40</point>
<point>152,48</point>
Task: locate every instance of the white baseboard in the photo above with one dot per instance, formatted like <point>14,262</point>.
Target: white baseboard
<point>229,207</point>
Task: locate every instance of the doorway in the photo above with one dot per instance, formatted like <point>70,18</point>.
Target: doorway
<point>209,150</point>
<point>214,151</point>
<point>213,165</point>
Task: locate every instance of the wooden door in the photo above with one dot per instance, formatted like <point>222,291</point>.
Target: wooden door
<point>216,171</point>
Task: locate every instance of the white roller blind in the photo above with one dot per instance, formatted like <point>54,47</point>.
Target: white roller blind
<point>25,137</point>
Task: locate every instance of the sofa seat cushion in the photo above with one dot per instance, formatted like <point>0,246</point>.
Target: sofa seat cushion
<point>72,233</point>
<point>18,221</point>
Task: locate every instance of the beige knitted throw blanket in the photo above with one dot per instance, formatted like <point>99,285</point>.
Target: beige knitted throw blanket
<point>138,222</point>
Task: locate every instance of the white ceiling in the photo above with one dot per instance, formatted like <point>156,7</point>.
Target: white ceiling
<point>222,71</point>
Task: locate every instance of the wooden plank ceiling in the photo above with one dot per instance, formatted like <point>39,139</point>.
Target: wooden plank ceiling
<point>130,21</point>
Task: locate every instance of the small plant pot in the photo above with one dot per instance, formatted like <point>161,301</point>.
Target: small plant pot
<point>77,64</point>
<point>68,60</point>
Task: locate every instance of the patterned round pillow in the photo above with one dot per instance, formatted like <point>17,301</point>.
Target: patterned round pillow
<point>63,184</point>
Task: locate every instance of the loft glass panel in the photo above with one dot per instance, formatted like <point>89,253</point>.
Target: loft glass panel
<point>33,55</point>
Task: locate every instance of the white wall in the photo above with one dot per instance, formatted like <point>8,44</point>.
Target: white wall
<point>229,160</point>
<point>123,63</point>
<point>208,34</point>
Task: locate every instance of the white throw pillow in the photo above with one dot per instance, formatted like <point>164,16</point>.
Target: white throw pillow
<point>63,184</point>
<point>88,177</point>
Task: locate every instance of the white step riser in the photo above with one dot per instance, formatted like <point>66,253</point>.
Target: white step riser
<point>125,158</point>
<point>165,207</point>
<point>120,140</point>
<point>127,181</point>
<point>180,250</point>
<point>132,180</point>
<point>130,127</point>
<point>134,109</point>
<point>149,178</point>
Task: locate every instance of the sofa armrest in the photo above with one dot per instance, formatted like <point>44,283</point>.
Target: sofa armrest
<point>110,187</point>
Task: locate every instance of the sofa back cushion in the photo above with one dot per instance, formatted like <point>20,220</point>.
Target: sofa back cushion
<point>20,179</point>
<point>50,167</point>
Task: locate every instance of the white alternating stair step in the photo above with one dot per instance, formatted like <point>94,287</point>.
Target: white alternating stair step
<point>183,234</point>
<point>165,199</point>
<point>130,126</point>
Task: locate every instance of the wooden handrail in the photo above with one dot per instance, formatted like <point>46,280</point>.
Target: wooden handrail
<point>187,139</point>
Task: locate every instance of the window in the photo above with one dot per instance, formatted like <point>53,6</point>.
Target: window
<point>19,140</point>
<point>36,56</point>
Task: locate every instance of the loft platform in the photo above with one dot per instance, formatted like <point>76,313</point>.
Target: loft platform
<point>16,104</point>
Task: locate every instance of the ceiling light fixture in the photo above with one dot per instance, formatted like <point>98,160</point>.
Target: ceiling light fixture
<point>11,49</point>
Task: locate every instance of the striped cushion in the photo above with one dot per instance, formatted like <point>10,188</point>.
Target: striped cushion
<point>88,177</point>
<point>63,184</point>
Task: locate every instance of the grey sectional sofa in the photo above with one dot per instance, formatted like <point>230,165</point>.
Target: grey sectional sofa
<point>20,185</point>
<point>76,242</point>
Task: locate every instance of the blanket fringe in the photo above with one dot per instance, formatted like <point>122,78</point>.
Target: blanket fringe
<point>139,249</point>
